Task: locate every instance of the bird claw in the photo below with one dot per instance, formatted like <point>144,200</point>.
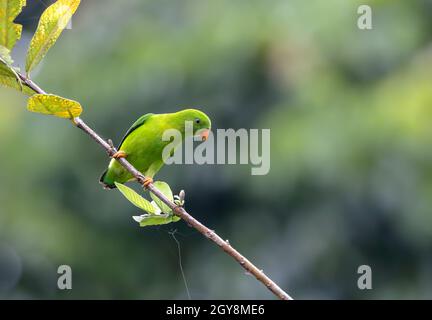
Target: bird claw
<point>147,181</point>
<point>119,154</point>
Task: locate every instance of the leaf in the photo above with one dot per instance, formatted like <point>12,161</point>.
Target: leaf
<point>5,55</point>
<point>10,32</point>
<point>54,105</point>
<point>10,79</point>
<point>51,24</point>
<point>166,190</point>
<point>158,219</point>
<point>155,206</point>
<point>8,74</point>
<point>150,220</point>
<point>136,199</point>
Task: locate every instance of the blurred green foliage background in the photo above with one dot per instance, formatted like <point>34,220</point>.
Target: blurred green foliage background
<point>351,163</point>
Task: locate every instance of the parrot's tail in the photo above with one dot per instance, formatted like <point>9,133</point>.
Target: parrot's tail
<point>108,184</point>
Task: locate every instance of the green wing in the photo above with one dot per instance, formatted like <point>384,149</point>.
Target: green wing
<point>135,126</point>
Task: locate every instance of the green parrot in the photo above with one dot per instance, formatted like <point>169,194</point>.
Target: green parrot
<point>143,146</point>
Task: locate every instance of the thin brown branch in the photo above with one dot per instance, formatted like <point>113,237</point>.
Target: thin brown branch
<point>179,211</point>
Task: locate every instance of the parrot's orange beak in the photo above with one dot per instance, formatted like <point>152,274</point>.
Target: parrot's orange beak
<point>204,134</point>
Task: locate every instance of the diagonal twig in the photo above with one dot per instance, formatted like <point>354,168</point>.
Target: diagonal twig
<point>179,211</point>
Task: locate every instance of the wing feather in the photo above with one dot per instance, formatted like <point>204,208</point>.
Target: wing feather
<point>135,126</point>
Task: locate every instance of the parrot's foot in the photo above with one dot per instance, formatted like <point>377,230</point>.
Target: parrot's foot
<point>147,181</point>
<point>119,154</point>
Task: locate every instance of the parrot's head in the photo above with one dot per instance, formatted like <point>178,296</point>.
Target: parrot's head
<point>201,122</point>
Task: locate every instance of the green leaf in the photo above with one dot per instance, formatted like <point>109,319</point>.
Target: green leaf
<point>10,32</point>
<point>54,105</point>
<point>150,220</point>
<point>8,74</point>
<point>166,190</point>
<point>156,208</point>
<point>10,79</point>
<point>136,199</point>
<point>5,55</point>
<point>51,24</point>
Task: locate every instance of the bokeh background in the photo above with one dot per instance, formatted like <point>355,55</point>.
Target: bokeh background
<point>351,162</point>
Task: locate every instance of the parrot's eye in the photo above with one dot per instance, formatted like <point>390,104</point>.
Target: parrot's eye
<point>197,121</point>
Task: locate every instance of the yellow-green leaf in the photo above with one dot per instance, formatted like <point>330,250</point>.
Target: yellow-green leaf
<point>10,32</point>
<point>54,105</point>
<point>8,75</point>
<point>5,55</point>
<point>166,190</point>
<point>51,24</point>
<point>157,220</point>
<point>135,198</point>
<point>9,78</point>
